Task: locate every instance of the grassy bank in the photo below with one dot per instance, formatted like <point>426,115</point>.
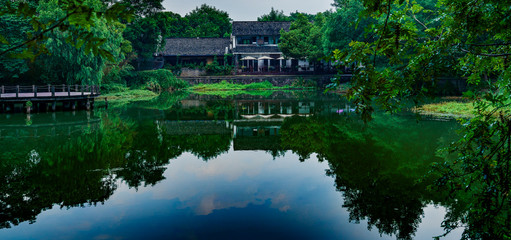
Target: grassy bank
<point>225,86</point>
<point>127,96</point>
<point>230,93</point>
<point>452,108</point>
<point>455,108</point>
<point>123,87</point>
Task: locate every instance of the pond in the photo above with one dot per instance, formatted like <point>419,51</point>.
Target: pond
<point>282,165</point>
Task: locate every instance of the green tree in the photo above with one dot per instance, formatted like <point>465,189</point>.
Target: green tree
<point>172,24</point>
<point>143,7</point>
<point>77,19</point>
<point>65,63</point>
<point>274,16</point>
<point>343,26</point>
<point>207,21</point>
<point>294,15</point>
<point>469,39</point>
<point>12,28</point>
<point>147,34</point>
<point>304,38</point>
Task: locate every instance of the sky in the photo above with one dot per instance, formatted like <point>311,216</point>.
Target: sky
<point>249,10</point>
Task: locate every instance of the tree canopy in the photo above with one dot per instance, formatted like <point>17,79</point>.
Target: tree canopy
<point>274,16</point>
<point>59,41</point>
<point>78,17</point>
<point>343,26</point>
<point>303,40</point>
<point>207,21</point>
<point>147,33</point>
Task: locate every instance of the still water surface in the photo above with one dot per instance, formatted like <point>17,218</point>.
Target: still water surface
<point>281,166</point>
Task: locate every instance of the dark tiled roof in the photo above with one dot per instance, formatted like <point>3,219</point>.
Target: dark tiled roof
<point>259,28</point>
<point>195,46</point>
<point>256,49</point>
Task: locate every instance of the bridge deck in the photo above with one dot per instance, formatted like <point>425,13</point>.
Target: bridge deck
<point>16,94</point>
<point>45,94</point>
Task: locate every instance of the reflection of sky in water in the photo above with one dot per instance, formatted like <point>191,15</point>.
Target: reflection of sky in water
<point>239,195</point>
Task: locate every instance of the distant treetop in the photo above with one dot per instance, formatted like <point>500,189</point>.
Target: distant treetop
<point>274,16</point>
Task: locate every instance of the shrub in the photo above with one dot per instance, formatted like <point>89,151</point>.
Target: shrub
<point>113,87</point>
<point>157,80</point>
<point>118,75</point>
<point>217,70</point>
<point>304,83</point>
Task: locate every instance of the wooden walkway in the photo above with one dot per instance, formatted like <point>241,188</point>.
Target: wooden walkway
<point>43,93</point>
<point>49,95</point>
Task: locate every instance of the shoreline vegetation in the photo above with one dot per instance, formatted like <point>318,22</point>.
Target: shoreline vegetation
<point>120,95</point>
<point>455,107</point>
<point>448,107</point>
<point>452,107</point>
<point>260,86</point>
<point>149,85</point>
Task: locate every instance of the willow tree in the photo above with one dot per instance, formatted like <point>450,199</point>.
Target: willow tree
<point>29,28</point>
<point>12,29</point>
<point>74,64</point>
<point>471,39</point>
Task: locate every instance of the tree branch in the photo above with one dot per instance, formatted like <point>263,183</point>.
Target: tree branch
<point>383,34</point>
<point>38,35</point>
<point>486,54</point>
<point>417,20</point>
<point>489,45</point>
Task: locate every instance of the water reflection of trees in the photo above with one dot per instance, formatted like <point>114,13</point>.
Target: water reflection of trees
<point>65,170</point>
<point>83,168</point>
<point>377,167</point>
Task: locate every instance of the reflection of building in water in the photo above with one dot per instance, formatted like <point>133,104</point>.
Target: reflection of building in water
<point>286,108</point>
<point>254,128</point>
<point>195,127</point>
<point>254,124</point>
<point>190,103</point>
<point>281,108</point>
<point>257,134</point>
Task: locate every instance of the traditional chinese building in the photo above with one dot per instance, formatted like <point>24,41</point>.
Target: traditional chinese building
<point>195,50</point>
<point>255,46</point>
<point>252,48</point>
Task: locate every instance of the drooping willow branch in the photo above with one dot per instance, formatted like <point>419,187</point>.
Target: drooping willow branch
<point>39,35</point>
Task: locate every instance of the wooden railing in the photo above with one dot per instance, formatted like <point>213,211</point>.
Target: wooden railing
<point>48,91</point>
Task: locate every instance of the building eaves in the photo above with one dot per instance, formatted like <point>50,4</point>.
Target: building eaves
<point>195,46</point>
<point>256,49</point>
<point>248,28</point>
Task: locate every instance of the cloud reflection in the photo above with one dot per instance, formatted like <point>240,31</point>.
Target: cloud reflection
<point>239,179</point>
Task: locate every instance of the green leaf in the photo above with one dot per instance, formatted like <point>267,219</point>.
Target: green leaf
<point>106,54</point>
<point>3,40</point>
